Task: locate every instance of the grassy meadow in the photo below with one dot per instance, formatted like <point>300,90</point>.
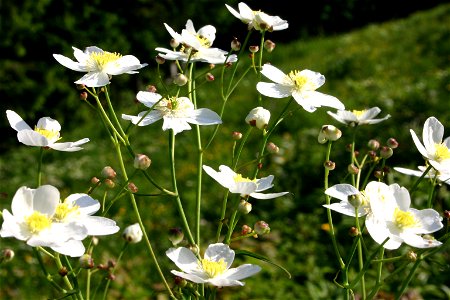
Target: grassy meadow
<point>402,66</point>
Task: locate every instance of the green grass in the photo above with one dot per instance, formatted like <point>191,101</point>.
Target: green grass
<point>403,67</point>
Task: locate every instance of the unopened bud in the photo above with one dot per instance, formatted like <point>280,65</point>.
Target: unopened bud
<point>174,43</point>
<point>142,161</point>
<point>411,255</point>
<point>81,86</point>
<point>372,154</point>
<point>246,230</point>
<point>373,144</point>
<point>6,255</point>
<point>180,281</point>
<point>353,231</point>
<point>386,152</point>
<point>160,60</point>
<point>253,49</point>
<point>83,95</point>
<point>329,165</point>
<point>392,143</point>
<point>235,44</point>
<point>378,174</point>
<point>94,240</point>
<point>261,228</point>
<point>269,45</point>
<point>355,200</point>
<point>245,207</point>
<point>176,235</point>
<point>211,66</point>
<point>111,263</point>
<point>272,148</point>
<point>180,79</point>
<point>236,135</point>
<point>352,169</point>
<point>447,214</point>
<point>111,277</point>
<point>132,234</point>
<point>132,187</point>
<point>209,77</point>
<point>86,261</point>
<point>151,88</point>
<point>63,271</point>
<point>258,117</point>
<point>194,249</point>
<point>108,172</point>
<point>95,180</point>
<point>328,133</point>
<point>109,183</point>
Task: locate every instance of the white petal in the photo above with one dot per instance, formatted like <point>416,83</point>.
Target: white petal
<point>419,242</point>
<point>321,99</point>
<point>341,191</point>
<point>204,116</point>
<point>218,251</point>
<point>86,204</point>
<point>99,225</point>
<point>274,74</point>
<point>69,63</point>
<point>430,219</point>
<point>11,227</point>
<point>176,124</point>
<point>69,146</point>
<point>221,281</point>
<point>243,187</point>
<point>241,272</point>
<point>71,248</point>
<point>94,79</point>
<point>265,183</point>
<point>183,258</point>
<point>274,90</point>
<point>148,98</point>
<point>32,138</point>
<point>150,118</point>
<point>409,171</point>
<point>343,207</point>
<point>16,122</point>
<point>262,196</point>
<point>45,200</point>
<point>418,144</point>
<point>224,177</point>
<point>190,277</point>
<point>433,131</point>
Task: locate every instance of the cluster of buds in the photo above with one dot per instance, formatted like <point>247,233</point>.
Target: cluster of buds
<point>108,175</point>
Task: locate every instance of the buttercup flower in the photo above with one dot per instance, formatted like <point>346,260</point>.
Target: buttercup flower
<point>32,221</point>
<point>433,149</point>
<point>301,85</point>
<point>400,223</point>
<point>432,173</point>
<point>213,268</point>
<point>258,117</point>
<point>100,65</point>
<point>358,117</point>
<point>177,113</point>
<point>45,133</point>
<point>195,46</point>
<point>237,184</point>
<point>257,19</point>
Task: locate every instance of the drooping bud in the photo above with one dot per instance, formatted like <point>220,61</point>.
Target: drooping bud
<point>378,174</point>
<point>63,271</point>
<point>236,135</point>
<point>132,187</point>
<point>235,44</point>
<point>246,230</point>
<point>386,152</point>
<point>132,234</point>
<point>261,228</point>
<point>328,133</point>
<point>272,148</point>
<point>373,144</point>
<point>194,249</point>
<point>180,281</point>
<point>160,60</point>
<point>245,207</point>
<point>269,45</point>
<point>353,231</point>
<point>180,79</point>
<point>355,200</point>
<point>84,95</point>
<point>447,214</point>
<point>209,77</point>
<point>258,117</point>
<point>411,255</point>
<point>86,261</point>
<point>151,88</point>
<point>329,165</point>
<point>108,172</point>
<point>6,255</point>
<point>174,43</point>
<point>352,169</point>
<point>109,183</point>
<point>176,235</point>
<point>95,180</point>
<point>392,143</point>
<point>253,49</point>
<point>142,161</point>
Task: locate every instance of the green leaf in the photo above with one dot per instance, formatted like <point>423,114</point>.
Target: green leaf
<point>263,258</point>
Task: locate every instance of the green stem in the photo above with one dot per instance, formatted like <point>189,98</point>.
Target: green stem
<point>408,278</point>
<point>105,292</point>
<point>413,189</point>
<point>39,170</point>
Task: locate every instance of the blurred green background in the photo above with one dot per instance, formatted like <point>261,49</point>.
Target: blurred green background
<point>373,53</point>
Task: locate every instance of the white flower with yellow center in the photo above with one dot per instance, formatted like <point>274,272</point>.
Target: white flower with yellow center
<point>176,113</point>
<point>213,268</point>
<point>301,85</point>
<point>238,184</point>
<point>195,46</point>
<point>257,19</point>
<point>396,221</point>
<point>435,150</point>
<point>100,65</point>
<point>32,221</point>
<point>45,133</point>
<point>358,117</point>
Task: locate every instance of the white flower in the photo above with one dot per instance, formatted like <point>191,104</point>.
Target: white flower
<point>177,113</point>
<point>258,117</point>
<point>358,117</point>
<point>237,184</point>
<point>100,65</point>
<point>433,149</point>
<point>133,233</point>
<point>45,133</point>
<point>32,221</point>
<point>400,223</point>
<point>257,19</point>
<point>432,173</point>
<point>196,46</point>
<point>301,85</point>
<point>213,268</point>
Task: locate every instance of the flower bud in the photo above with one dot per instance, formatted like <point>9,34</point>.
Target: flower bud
<point>353,231</point>
<point>180,79</point>
<point>258,117</point>
<point>194,249</point>
<point>329,165</point>
<point>447,214</point>
<point>132,234</point>
<point>174,43</point>
<point>80,86</point>
<point>269,45</point>
<point>236,135</point>
<point>132,187</point>
<point>352,169</point>
<point>245,207</point>
<point>109,183</point>
<point>86,261</point>
<point>328,133</point>
<point>378,174</point>
<point>411,255</point>
<point>235,44</point>
<point>142,161</point>
<point>176,235</point>
<point>209,77</point>
<point>159,59</point>
<point>386,152</point>
<point>253,49</point>
<point>373,144</point>
<point>246,230</point>
<point>83,95</point>
<point>180,281</point>
<point>108,172</point>
<point>95,180</point>
<point>392,143</point>
<point>63,271</point>
<point>272,148</point>
<point>6,255</point>
<point>261,228</point>
<point>151,88</point>
<point>355,200</point>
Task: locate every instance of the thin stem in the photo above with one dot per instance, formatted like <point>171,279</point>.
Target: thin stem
<point>39,170</point>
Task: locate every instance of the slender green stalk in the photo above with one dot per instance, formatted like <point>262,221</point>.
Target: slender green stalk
<point>360,255</point>
<point>408,278</point>
<point>105,292</point>
<point>416,184</point>
<point>39,170</point>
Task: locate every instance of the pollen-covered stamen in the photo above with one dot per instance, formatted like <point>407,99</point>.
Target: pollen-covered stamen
<point>213,268</point>
<point>300,80</point>
<point>98,60</point>
<point>37,222</point>
<point>404,219</point>
<point>64,210</point>
<point>203,41</point>
<point>358,113</point>
<point>442,152</point>
<point>240,178</point>
<point>52,135</point>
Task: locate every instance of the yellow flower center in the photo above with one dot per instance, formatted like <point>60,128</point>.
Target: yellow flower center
<point>404,219</point>
<point>204,41</point>
<point>358,113</point>
<point>442,152</point>
<point>299,80</point>
<point>63,210</point>
<point>239,178</point>
<point>101,59</point>
<point>213,268</point>
<point>37,222</point>
<point>49,134</point>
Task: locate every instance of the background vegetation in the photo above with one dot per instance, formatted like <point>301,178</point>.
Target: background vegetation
<point>402,66</point>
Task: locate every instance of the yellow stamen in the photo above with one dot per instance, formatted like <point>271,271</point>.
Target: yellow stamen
<point>203,41</point>
<point>442,152</point>
<point>49,134</point>
<point>299,80</point>
<point>103,58</point>
<point>65,209</point>
<point>358,113</point>
<point>213,268</point>
<point>37,222</point>
<point>239,178</point>
<point>404,219</point>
